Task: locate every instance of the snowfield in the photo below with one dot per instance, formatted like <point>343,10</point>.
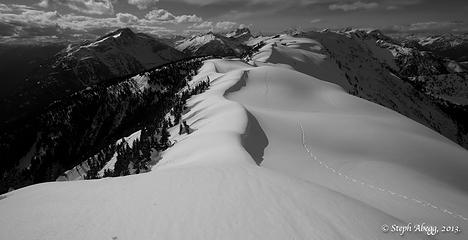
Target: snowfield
<point>275,154</point>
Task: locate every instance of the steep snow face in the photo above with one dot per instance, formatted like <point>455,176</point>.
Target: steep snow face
<point>275,154</point>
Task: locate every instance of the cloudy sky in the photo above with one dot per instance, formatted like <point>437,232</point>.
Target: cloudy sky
<point>77,19</point>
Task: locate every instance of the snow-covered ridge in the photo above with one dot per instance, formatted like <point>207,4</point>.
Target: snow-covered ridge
<point>275,154</point>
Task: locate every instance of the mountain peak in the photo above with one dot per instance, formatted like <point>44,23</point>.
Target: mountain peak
<point>242,30</point>
<point>121,32</point>
<point>240,33</point>
<point>125,31</point>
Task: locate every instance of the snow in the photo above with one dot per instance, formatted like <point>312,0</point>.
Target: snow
<point>117,35</point>
<point>141,81</point>
<point>275,154</point>
<point>110,165</point>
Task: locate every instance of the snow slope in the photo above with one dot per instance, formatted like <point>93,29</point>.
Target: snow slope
<point>275,154</point>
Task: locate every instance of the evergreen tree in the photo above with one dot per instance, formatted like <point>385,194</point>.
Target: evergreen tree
<point>180,129</point>
<point>187,128</point>
<point>163,141</point>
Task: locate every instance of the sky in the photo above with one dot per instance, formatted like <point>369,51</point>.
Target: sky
<point>79,19</point>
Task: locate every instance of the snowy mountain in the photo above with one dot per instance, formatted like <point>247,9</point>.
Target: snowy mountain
<point>381,70</point>
<point>118,53</point>
<point>214,44</point>
<point>240,34</point>
<point>276,150</point>
<point>453,46</point>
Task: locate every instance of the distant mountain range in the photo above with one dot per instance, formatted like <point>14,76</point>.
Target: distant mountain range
<point>449,45</point>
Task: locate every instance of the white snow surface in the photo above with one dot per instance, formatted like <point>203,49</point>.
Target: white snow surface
<point>275,154</point>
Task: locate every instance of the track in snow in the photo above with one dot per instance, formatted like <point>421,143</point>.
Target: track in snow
<point>374,187</point>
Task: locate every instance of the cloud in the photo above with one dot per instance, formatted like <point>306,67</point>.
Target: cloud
<point>226,25</point>
<point>188,19</point>
<point>43,3</point>
<point>127,18</point>
<point>218,26</point>
<point>164,16</point>
<point>202,25</point>
<point>397,4</point>
<point>428,27</point>
<point>354,6</point>
<point>251,2</point>
<point>142,4</point>
<point>160,15</point>
<point>97,7</point>
<point>316,20</point>
<point>437,26</point>
<point>202,2</point>
<point>20,22</point>
<point>4,8</point>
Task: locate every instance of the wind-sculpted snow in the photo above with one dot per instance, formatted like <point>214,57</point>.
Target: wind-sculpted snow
<point>247,171</point>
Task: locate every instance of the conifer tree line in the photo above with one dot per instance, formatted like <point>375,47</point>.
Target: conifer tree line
<point>154,136</point>
<point>251,50</point>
